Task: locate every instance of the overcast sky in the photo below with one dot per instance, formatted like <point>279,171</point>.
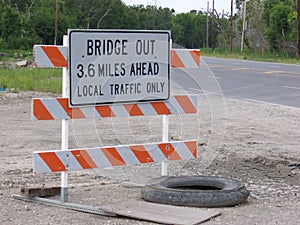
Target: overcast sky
<point>184,5</point>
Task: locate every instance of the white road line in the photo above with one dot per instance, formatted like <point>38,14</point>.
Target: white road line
<point>297,88</point>
<point>248,99</point>
<point>268,103</point>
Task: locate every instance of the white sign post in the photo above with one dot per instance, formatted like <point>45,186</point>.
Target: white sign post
<point>113,66</point>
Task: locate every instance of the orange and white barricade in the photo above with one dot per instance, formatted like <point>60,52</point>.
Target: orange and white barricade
<point>66,160</point>
<point>103,157</point>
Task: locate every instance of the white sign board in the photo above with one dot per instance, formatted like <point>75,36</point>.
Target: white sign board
<point>113,66</point>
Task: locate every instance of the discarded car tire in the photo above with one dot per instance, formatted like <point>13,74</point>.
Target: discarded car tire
<point>195,191</point>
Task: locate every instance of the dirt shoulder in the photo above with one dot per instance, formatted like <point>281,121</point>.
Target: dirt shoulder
<point>253,142</point>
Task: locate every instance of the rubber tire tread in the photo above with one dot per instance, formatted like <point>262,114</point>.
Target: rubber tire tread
<point>175,191</point>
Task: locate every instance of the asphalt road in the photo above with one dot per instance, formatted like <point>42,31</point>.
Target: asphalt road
<point>256,81</point>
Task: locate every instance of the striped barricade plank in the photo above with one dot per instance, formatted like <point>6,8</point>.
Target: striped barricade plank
<point>49,56</point>
<point>58,108</point>
<point>185,58</point>
<point>103,157</point>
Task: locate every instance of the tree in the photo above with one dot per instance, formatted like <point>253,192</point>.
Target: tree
<point>278,32</point>
<point>92,14</point>
<point>10,26</point>
<point>188,29</point>
<point>256,26</point>
<point>271,24</point>
<point>152,18</point>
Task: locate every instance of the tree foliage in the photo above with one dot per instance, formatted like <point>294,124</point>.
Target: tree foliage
<point>189,29</point>
<point>271,24</point>
<point>280,18</point>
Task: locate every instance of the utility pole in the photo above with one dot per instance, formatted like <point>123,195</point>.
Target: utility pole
<point>298,6</point>
<point>244,25</point>
<point>207,24</point>
<point>231,13</point>
<point>56,21</point>
<point>212,26</point>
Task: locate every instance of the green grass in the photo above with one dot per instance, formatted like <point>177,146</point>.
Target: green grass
<point>44,80</point>
<point>15,55</point>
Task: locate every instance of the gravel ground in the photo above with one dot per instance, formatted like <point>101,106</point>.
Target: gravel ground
<point>253,142</point>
